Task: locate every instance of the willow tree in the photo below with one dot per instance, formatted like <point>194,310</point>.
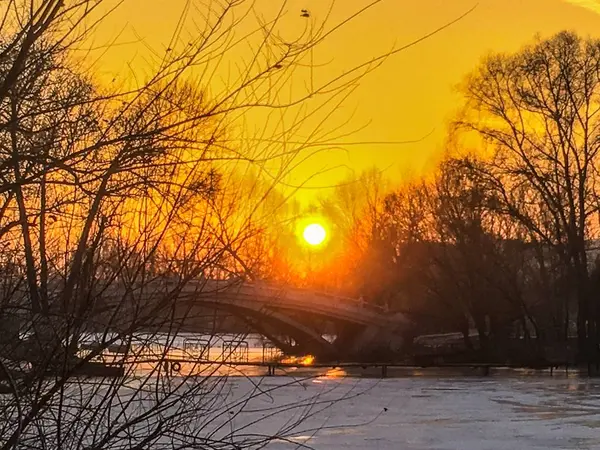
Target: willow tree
<point>537,110</point>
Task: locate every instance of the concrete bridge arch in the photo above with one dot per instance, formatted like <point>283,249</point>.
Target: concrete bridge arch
<point>281,311</point>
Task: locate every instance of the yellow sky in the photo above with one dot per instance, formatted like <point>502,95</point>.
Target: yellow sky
<point>412,95</point>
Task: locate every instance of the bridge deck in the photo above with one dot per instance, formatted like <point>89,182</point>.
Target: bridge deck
<point>263,296</point>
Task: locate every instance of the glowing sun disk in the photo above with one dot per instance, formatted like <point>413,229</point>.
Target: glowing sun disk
<point>314,234</point>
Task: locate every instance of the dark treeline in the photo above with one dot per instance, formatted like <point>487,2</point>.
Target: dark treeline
<point>500,244</point>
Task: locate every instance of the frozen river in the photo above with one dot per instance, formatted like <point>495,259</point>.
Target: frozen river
<point>410,410</point>
<point>508,411</point>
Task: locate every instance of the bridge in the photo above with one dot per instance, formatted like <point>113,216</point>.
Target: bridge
<point>291,318</point>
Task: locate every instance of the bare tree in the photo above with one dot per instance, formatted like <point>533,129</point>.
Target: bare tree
<point>353,209</point>
<point>116,206</point>
<point>538,111</point>
<point>452,261</point>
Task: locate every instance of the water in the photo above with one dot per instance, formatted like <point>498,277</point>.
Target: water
<point>410,410</point>
<point>443,413</point>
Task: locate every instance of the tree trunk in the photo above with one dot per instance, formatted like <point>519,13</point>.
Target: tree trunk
<point>584,320</point>
<point>464,328</point>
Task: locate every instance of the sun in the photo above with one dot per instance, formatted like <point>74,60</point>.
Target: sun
<point>314,234</point>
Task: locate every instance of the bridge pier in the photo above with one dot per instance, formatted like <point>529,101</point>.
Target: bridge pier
<point>371,343</point>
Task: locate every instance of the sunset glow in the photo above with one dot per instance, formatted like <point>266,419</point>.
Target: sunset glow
<point>426,90</point>
<point>319,192</point>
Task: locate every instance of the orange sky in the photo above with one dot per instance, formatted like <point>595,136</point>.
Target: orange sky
<point>412,94</point>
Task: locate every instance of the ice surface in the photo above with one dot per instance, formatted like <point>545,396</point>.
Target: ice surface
<point>495,413</point>
<point>413,410</point>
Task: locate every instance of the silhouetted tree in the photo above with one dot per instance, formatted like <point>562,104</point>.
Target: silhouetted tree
<point>537,110</point>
